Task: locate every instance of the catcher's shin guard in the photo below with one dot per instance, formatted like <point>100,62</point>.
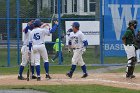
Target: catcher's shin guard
<point>128,71</point>
<point>134,59</point>
<point>130,66</point>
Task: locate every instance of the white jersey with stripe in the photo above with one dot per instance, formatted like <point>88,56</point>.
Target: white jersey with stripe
<point>77,39</point>
<point>37,35</point>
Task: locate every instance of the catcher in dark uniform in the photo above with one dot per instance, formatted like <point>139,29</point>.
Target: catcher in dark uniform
<point>130,48</point>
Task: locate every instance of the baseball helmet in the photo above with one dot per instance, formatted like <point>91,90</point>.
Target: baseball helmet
<point>75,24</point>
<point>133,23</point>
<point>37,23</point>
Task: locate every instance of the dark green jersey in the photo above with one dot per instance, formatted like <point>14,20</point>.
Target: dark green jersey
<point>129,36</point>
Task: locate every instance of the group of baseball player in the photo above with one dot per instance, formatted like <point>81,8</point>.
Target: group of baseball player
<point>34,47</point>
<point>131,43</point>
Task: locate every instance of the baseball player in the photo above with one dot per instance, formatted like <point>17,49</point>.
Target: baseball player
<point>138,44</point>
<point>78,43</point>
<point>129,46</point>
<point>24,52</point>
<point>36,41</point>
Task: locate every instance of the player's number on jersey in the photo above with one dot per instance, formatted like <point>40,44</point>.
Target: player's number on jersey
<point>36,36</point>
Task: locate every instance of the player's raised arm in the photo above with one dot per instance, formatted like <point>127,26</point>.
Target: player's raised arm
<point>54,27</point>
<point>47,29</point>
<point>29,26</point>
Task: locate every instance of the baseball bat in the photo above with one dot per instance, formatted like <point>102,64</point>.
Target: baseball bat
<point>29,68</point>
<point>28,72</point>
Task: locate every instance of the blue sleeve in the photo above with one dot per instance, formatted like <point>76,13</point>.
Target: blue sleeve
<point>30,46</point>
<point>85,42</point>
<point>26,29</point>
<point>54,28</point>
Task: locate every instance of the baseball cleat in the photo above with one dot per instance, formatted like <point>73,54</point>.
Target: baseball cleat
<point>84,75</point>
<point>69,75</point>
<point>48,76</point>
<point>130,76</point>
<point>21,78</point>
<point>38,78</point>
<point>34,77</point>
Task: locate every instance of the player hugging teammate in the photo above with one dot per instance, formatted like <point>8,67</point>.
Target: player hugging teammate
<point>36,45</point>
<point>25,50</point>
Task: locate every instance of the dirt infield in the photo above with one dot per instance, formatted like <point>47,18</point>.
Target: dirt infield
<point>107,79</point>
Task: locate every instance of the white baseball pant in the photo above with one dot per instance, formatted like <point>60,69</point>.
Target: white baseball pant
<point>40,50</point>
<point>25,56</point>
<point>77,57</point>
<point>130,51</point>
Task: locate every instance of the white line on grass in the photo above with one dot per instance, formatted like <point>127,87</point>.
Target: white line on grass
<point>92,80</point>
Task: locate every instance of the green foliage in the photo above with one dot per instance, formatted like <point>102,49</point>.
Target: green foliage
<point>45,13</point>
<point>28,9</point>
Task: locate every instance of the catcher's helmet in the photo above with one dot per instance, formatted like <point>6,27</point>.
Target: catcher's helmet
<point>37,23</point>
<point>76,24</point>
<point>133,23</point>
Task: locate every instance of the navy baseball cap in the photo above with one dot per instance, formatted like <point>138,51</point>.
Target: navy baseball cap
<point>75,24</point>
<point>37,22</point>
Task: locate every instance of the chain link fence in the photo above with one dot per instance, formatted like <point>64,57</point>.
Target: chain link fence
<point>16,12</point>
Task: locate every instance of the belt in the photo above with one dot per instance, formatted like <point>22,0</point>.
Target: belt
<point>41,43</point>
<point>75,48</point>
<point>38,44</point>
<point>130,44</point>
<point>26,45</point>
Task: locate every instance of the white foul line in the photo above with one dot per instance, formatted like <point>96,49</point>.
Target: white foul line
<point>100,80</point>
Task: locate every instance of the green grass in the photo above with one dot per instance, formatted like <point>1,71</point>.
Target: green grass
<point>115,60</point>
<point>53,69</point>
<point>122,70</point>
<point>90,57</point>
<point>3,57</point>
<point>74,89</point>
